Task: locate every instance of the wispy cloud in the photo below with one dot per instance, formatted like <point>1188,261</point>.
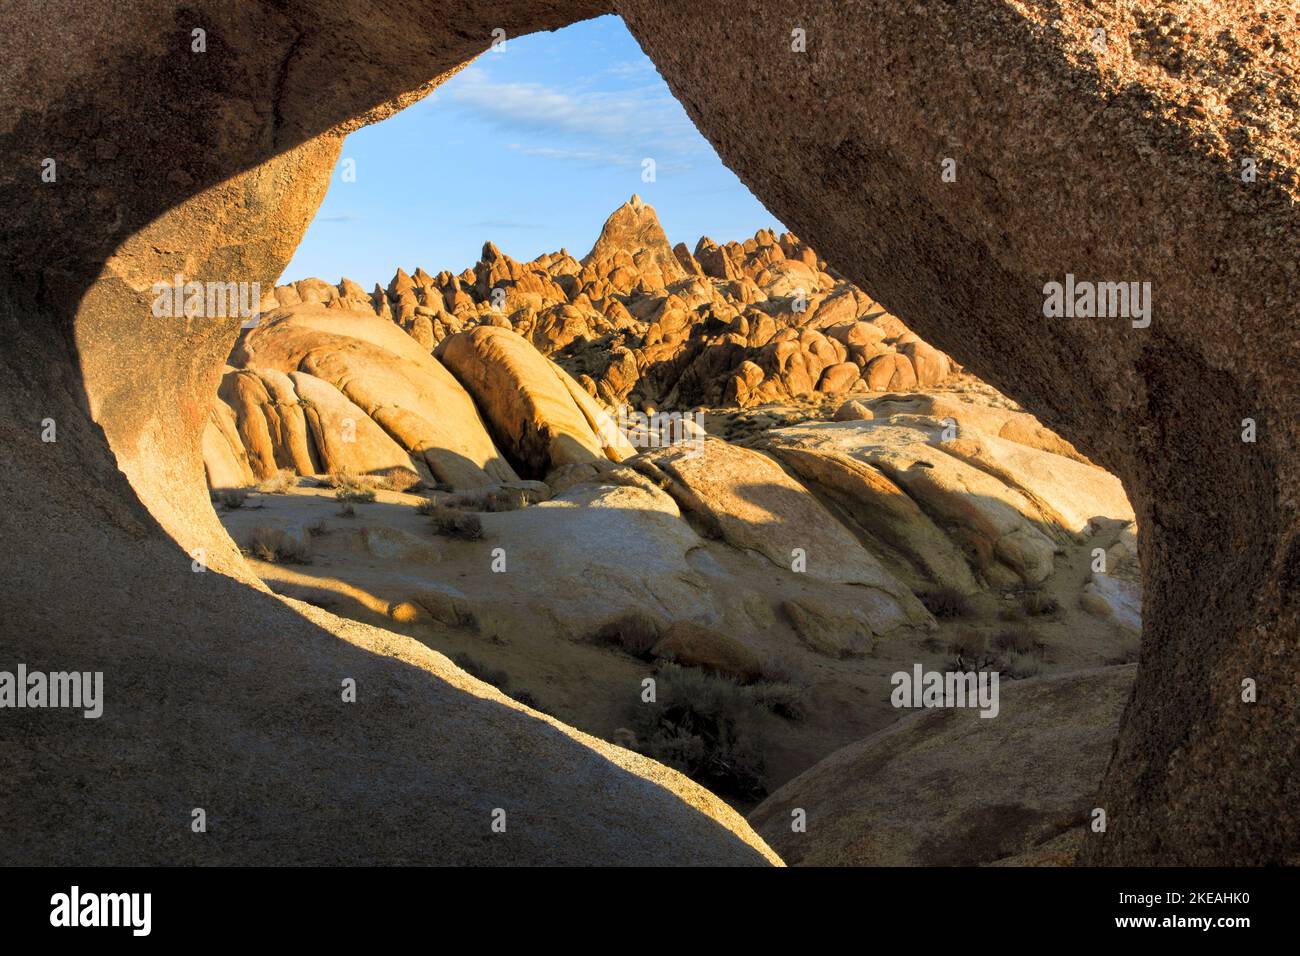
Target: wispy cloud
<point>646,120</point>
<point>341,217</point>
<point>642,68</point>
<point>599,157</point>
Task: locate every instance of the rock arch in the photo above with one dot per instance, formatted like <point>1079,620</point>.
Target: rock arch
<point>212,164</point>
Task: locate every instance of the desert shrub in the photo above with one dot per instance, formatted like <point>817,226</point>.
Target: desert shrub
<point>970,651</point>
<point>1020,666</point>
<point>351,487</point>
<point>232,498</point>
<point>700,725</point>
<point>426,506</point>
<point>785,700</point>
<point>279,483</point>
<point>785,669</point>
<point>396,478</point>
<point>277,546</point>
<point>635,632</point>
<point>318,529</point>
<point>347,511</point>
<point>493,500</point>
<point>1038,604</point>
<point>475,668</point>
<point>946,602</point>
<point>1018,640</point>
<point>450,523</point>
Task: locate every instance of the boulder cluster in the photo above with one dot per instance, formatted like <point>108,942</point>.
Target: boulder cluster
<point>641,322</point>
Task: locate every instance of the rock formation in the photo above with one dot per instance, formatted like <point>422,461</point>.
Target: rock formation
<point>168,161</point>
<point>753,321</point>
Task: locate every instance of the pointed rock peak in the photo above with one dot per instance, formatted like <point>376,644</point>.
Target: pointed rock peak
<point>634,228</point>
<point>490,252</point>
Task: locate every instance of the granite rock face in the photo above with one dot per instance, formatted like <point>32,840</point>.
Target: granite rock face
<point>211,165</point>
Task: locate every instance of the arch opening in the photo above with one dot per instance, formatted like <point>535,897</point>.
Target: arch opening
<point>261,129</point>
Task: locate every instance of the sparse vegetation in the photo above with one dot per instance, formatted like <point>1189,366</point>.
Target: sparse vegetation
<point>232,498</point>
<point>347,511</point>
<point>491,500</point>
<point>277,546</point>
<point>783,699</point>
<point>947,602</point>
<point>279,483</point>
<point>635,632</point>
<point>1038,604</point>
<point>1019,640</point>
<point>318,529</point>
<point>450,523</point>
<point>351,487</point>
<point>702,725</point>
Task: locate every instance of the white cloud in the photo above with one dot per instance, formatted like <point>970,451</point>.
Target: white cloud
<point>646,120</point>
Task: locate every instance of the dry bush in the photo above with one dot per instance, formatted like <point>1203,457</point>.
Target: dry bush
<point>276,546</point>
<point>1038,604</point>
<point>232,498</point>
<point>493,500</point>
<point>1019,640</point>
<point>702,725</point>
<point>279,483</point>
<point>946,602</point>
<point>450,523</point>
<point>351,487</point>
<point>785,700</point>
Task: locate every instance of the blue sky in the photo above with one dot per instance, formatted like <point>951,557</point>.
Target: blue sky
<point>531,147</point>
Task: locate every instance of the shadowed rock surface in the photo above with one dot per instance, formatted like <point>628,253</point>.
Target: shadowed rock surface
<point>952,788</point>
<point>222,695</point>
